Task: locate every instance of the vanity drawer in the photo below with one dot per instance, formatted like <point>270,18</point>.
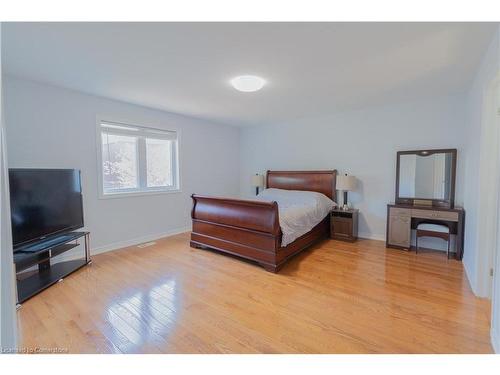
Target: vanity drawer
<point>437,215</point>
<point>401,212</point>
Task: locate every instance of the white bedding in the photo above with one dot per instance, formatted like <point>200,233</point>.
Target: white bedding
<point>299,211</point>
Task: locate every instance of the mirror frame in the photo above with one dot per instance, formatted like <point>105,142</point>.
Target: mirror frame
<point>447,203</point>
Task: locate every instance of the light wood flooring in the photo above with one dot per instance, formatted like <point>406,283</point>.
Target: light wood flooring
<point>335,297</point>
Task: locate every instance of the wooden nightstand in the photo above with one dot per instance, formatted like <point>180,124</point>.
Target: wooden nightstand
<point>344,224</point>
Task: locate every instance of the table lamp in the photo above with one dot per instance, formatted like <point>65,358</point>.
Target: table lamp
<point>257,182</point>
<point>346,183</point>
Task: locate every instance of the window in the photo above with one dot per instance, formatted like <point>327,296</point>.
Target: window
<point>134,159</point>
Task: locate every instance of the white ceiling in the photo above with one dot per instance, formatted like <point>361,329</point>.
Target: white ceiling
<point>312,68</point>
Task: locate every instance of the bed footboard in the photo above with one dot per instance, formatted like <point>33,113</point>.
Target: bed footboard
<point>249,229</point>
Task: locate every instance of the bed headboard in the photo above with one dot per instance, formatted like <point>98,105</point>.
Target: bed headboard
<point>320,181</point>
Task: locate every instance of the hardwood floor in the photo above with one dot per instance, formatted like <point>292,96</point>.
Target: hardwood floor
<point>334,298</point>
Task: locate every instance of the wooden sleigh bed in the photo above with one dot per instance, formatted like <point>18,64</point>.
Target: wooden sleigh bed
<point>251,229</point>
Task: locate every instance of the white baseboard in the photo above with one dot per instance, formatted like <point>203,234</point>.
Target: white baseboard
<point>119,245</point>
<point>470,279</point>
<point>137,240</point>
<point>372,236</point>
<point>495,340</point>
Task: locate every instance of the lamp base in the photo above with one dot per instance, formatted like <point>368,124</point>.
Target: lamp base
<point>346,205</point>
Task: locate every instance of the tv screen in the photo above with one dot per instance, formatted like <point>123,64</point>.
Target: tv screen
<point>44,202</point>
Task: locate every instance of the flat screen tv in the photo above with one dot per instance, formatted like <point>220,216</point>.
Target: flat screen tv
<point>44,202</point>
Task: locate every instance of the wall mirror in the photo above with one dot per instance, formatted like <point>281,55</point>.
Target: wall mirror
<point>426,177</point>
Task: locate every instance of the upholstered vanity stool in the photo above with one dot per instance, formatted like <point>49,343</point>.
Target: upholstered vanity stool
<point>433,230</point>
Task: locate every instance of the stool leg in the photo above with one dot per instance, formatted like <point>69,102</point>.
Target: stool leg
<point>448,251</point>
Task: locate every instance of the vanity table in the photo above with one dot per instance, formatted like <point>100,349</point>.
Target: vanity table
<point>401,219</point>
<point>425,193</point>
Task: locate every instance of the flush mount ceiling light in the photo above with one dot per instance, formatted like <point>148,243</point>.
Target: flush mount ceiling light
<point>248,83</point>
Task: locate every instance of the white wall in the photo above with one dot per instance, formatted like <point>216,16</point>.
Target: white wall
<point>362,143</point>
<point>477,167</point>
<point>56,128</point>
<point>495,302</point>
<point>8,327</point>
<point>495,319</point>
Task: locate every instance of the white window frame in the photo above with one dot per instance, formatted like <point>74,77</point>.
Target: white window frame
<point>142,132</point>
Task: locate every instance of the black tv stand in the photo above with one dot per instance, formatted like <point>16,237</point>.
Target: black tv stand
<point>31,280</point>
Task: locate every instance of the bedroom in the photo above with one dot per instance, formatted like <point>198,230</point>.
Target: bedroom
<point>240,187</point>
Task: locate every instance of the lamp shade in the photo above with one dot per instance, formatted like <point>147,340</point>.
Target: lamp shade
<point>258,180</point>
<point>346,183</point>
